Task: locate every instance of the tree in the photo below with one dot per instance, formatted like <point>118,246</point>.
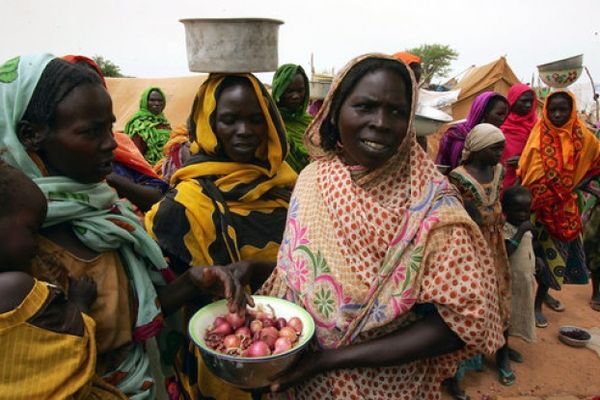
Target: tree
<point>435,60</point>
<point>109,68</point>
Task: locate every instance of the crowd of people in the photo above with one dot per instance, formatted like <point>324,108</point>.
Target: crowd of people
<point>413,270</point>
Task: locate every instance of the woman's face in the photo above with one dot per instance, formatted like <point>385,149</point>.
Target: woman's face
<point>491,155</point>
<point>156,103</point>
<point>559,110</point>
<point>240,124</point>
<point>523,104</point>
<point>293,97</point>
<point>496,114</point>
<point>374,118</point>
<point>80,145</point>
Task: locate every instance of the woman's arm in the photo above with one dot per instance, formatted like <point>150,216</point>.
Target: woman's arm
<point>143,196</point>
<point>426,338</point>
<point>197,281</point>
<point>139,142</point>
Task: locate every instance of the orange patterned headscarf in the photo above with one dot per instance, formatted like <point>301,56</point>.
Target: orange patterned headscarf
<point>554,162</point>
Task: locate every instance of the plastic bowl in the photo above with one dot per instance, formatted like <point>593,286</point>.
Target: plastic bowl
<point>574,336</point>
<point>249,372</point>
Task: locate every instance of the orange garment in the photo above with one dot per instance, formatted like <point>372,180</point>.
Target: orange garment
<point>407,58</point>
<point>39,363</point>
<point>554,162</point>
<point>128,154</point>
<point>111,310</point>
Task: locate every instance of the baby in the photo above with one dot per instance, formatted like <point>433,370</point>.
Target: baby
<point>46,340</point>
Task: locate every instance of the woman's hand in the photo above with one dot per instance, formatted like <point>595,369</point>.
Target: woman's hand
<point>223,281</point>
<point>310,364</point>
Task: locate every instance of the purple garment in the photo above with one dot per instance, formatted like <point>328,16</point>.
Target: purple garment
<point>453,140</point>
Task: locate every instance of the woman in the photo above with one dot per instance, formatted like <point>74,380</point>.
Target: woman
<point>521,118</point>
<point>148,127</point>
<point>489,107</point>
<point>230,201</point>
<point>479,180</point>
<point>132,176</point>
<point>176,153</point>
<point>380,251</point>
<point>56,128</point>
<point>560,154</point>
<point>291,94</point>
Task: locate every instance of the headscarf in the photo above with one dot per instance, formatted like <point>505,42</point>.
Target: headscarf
<point>407,58</point>
<point>453,140</point>
<point>232,210</point>
<point>480,137</point>
<point>296,121</point>
<point>353,251</point>
<point>99,219</point>
<point>516,129</point>
<point>554,162</point>
<point>74,59</point>
<point>153,129</point>
<point>176,152</point>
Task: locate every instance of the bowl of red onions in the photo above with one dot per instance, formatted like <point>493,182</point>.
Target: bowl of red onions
<point>247,351</point>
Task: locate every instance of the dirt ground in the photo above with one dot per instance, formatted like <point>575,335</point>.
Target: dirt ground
<point>550,367</point>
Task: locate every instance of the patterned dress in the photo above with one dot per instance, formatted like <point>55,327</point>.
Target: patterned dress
<point>486,197</point>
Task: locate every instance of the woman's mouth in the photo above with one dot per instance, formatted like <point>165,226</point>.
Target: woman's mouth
<point>374,145</point>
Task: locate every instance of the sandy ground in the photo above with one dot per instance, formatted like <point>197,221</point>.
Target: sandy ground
<point>550,367</point>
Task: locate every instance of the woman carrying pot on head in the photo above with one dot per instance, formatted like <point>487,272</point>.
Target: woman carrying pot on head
<point>560,155</point>
<point>229,202</point>
<point>380,251</point>
<point>291,94</point>
<point>488,107</point>
<point>57,129</point>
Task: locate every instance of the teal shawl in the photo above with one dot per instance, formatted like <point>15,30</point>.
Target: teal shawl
<point>99,219</point>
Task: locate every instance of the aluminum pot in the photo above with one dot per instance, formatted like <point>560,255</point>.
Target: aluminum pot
<point>231,45</point>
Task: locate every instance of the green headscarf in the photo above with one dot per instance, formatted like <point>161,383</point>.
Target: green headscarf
<point>153,129</point>
<point>296,121</point>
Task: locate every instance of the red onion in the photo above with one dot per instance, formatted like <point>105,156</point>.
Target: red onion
<point>258,349</point>
<point>282,344</point>
<point>222,329</point>
<point>256,326</point>
<point>269,335</point>
<point>289,333</point>
<point>243,332</point>
<point>231,341</point>
<point>295,323</point>
<point>280,323</point>
<point>235,320</point>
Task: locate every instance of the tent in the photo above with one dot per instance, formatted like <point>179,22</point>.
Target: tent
<point>180,93</point>
<point>496,76</point>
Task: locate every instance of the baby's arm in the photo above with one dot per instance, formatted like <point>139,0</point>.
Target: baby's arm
<point>14,286</point>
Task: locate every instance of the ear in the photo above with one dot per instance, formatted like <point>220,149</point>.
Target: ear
<point>31,135</point>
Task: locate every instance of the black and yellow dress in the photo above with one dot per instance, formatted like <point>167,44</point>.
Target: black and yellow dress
<point>221,211</point>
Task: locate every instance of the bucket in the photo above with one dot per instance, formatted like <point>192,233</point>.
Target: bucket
<point>231,45</point>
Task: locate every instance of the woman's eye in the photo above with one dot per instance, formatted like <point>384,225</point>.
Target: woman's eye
<point>227,120</point>
<point>257,119</point>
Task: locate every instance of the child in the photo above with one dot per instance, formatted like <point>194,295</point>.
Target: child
<point>479,180</point>
<point>518,229</point>
<point>47,343</point>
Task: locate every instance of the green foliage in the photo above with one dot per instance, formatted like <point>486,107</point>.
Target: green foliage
<point>435,60</point>
<point>109,69</point>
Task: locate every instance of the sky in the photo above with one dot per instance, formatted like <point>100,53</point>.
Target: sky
<point>146,39</point>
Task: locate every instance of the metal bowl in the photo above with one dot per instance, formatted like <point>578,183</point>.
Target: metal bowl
<point>231,45</point>
<point>318,90</point>
<point>245,372</point>
<point>560,79</point>
<point>566,63</point>
<point>429,119</point>
<point>566,333</point>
